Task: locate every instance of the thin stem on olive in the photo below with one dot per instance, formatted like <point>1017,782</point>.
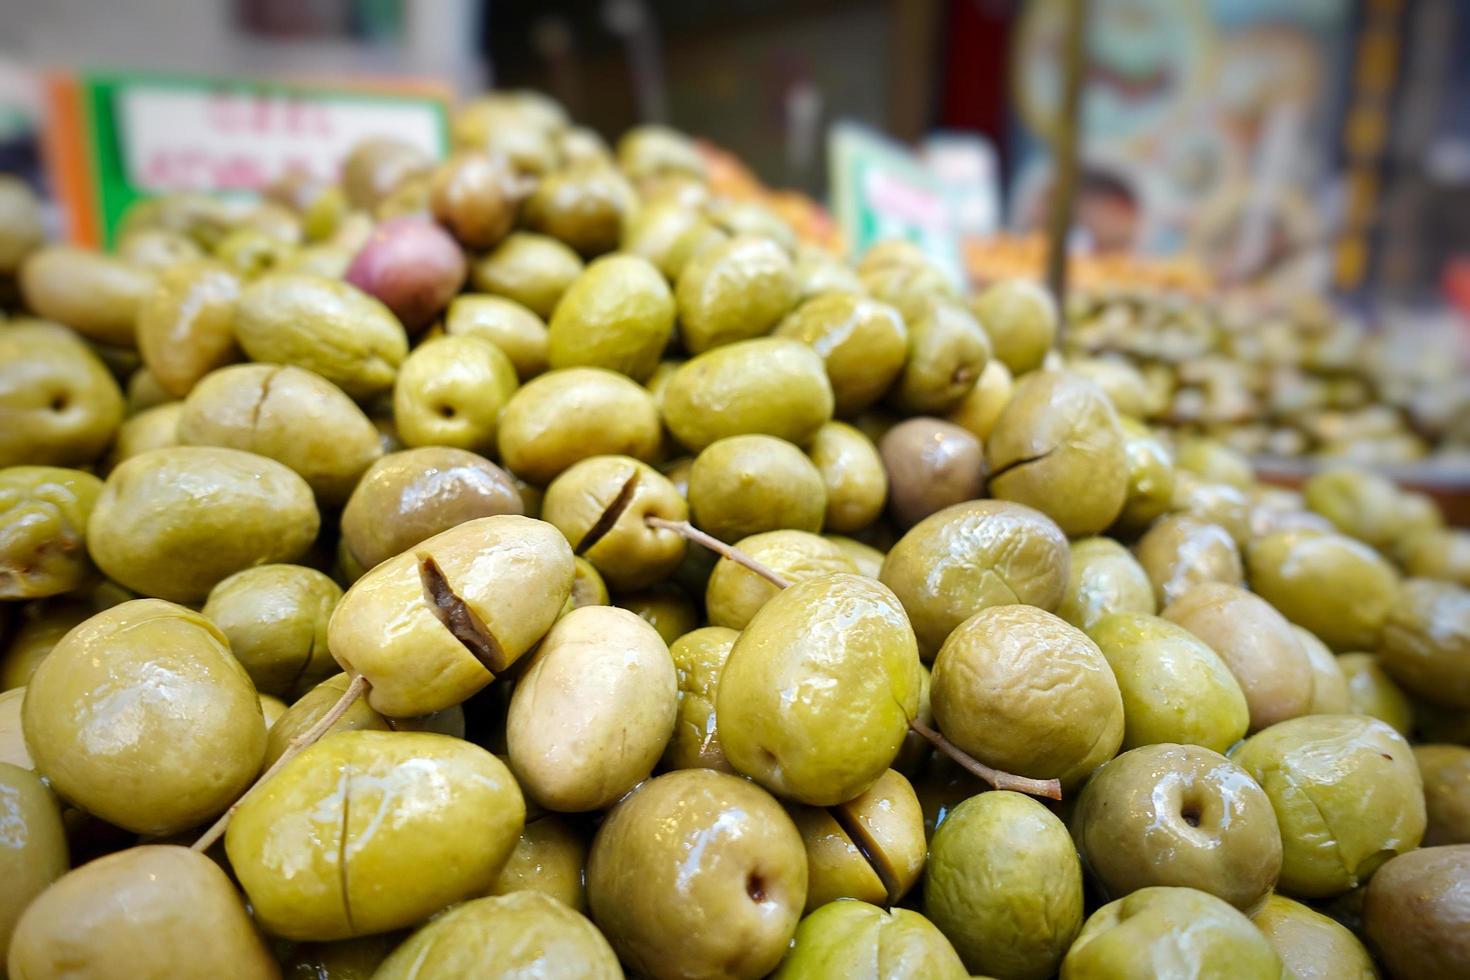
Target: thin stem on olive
<point>718,547</point>
<point>1049,788</point>
<point>295,747</point>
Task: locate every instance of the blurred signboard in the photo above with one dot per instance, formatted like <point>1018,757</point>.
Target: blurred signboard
<point>113,138</point>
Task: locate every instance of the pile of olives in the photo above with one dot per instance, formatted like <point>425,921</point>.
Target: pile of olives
<point>1277,378</point>
<point>540,565</point>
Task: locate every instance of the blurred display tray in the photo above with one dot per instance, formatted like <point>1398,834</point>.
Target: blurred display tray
<point>1448,481</point>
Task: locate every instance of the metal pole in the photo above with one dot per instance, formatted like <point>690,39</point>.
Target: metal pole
<point>1064,154</point>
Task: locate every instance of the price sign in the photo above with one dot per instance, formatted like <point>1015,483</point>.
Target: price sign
<point>881,191</point>
<point>115,138</point>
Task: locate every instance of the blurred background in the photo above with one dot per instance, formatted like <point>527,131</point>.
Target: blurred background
<point>1325,143</point>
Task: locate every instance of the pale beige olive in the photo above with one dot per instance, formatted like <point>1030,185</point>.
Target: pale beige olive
<point>603,504</point>
<point>1445,770</point>
<point>1213,462</point>
<point>1330,694</point>
<point>1347,793</point>
<point>1180,552</point>
<point>432,626</point>
<point>650,150</point>
<point>983,553</point>
<point>1026,693</point>
<point>194,736</point>
<point>1213,503</point>
<point>1372,692</point>
<point>533,270</point>
<point>743,485</point>
<point>979,409</point>
<point>1104,579</point>
<point>523,934</point>
<point>451,392</point>
<point>1021,319</point>
<point>1416,916</point>
<point>853,475</point>
<point>414,494</point>
<point>61,405</point>
<point>1438,553</point>
<point>947,352</point>
<point>323,325</point>
<point>272,708</point>
<point>519,333</point>
<point>1058,447</point>
<point>172,523</point>
<point>130,914</point>
<point>95,294</point>
<point>887,824</point>
<point>1312,946</point>
<point>931,464</point>
<point>768,386</point>
<point>1123,383</point>
<point>733,291</point>
<point>863,344</point>
<point>734,593</point>
<point>1256,643</point>
<point>319,861</point>
<point>1178,815</point>
<point>593,711</point>
<point>565,416</point>
<point>550,858</point>
<point>186,324</point>
<point>818,271</point>
<point>698,657</point>
<point>275,617</point>
<point>287,414</point>
<point>698,873</point>
<point>152,428</point>
<point>33,850</point>
<point>616,315</point>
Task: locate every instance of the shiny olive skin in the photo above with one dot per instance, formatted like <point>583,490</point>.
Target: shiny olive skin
<point>818,271</point>
<point>308,709</point>
<point>1213,503</point>
<point>520,334</point>
<point>931,464</point>
<point>733,291</point>
<point>887,824</point>
<point>95,294</point>
<point>1021,320</point>
<point>1175,688</point>
<point>616,315</point>
<point>195,735</point>
<point>1256,643</point>
<point>533,270</point>
<point>1024,692</point>
<point>414,494</point>
<point>451,391</point>
<point>816,697</point>
<point>475,195</point>
<point>43,523</point>
<point>584,205</point>
<point>863,344</point>
<point>1425,642</point>
<point>1058,447</point>
<point>275,617</point>
<point>152,428</point>
<point>1372,692</point>
<point>1104,579</point>
<point>864,557</point>
<point>1416,915</point>
<point>699,657</point>
<point>172,523</point>
<point>61,404</point>
<point>1312,946</point>
<point>1172,934</point>
<point>523,934</point>
<point>734,593</point>
<point>592,713</point>
<point>1338,588</point>
<point>1178,815</point>
<point>947,352</point>
<point>1150,475</point>
<point>973,555</point>
<point>130,914</point>
<point>186,324</point>
<point>497,582</point>
<point>287,414</point>
<point>1330,695</point>
<point>768,386</point>
<point>323,325</point>
<point>1445,770</point>
<point>1180,552</point>
<point>743,485</point>
<point>979,409</point>
<point>318,861</point>
<point>854,939</point>
<point>566,416</point>
<point>697,873</point>
<point>1347,794</point>
<point>669,234</point>
<point>1004,885</point>
<point>40,625</point>
<point>550,858</point>
<point>33,850</point>
<point>852,474</point>
<point>627,552</point>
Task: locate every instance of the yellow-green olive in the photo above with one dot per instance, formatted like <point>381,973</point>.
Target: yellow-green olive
<point>616,315</point>
<point>60,403</point>
<point>186,324</point>
<point>550,858</point>
<point>519,333</point>
<point>699,657</point>
<point>43,525</point>
<point>565,416</point>
<point>734,593</point>
<point>275,617</point>
<point>863,344</point>
<point>533,270</point>
<point>33,847</point>
<point>733,291</point>
<point>95,294</point>
<point>743,485</point>
<point>451,392</point>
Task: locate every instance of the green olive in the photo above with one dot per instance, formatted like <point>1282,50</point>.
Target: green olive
<point>733,291</point>
<point>1336,587</point>
<point>584,205</point>
<point>699,657</point>
<point>667,608</point>
<point>768,386</point>
<point>566,416</point>
<point>734,593</point>
<point>1445,770</point>
<point>22,230</point>
<point>186,324</point>
<point>863,344</point>
<point>1310,944</point>
<point>532,270</point>
<point>651,150</point>
<point>1179,552</point>
<point>616,315</point>
<point>451,392</point>
<point>1150,475</point>
<point>97,295</point>
<point>519,333</point>
<point>1021,319</point>
<point>1372,692</point>
<point>550,858</point>
<point>743,485</point>
<point>61,405</point>
<point>275,617</point>
<point>669,234</point>
<point>1425,643</point>
<point>852,474</point>
<point>979,409</point>
<point>33,847</point>
<point>1104,579</point>
<point>152,428</point>
<point>43,527</point>
<point>947,353</point>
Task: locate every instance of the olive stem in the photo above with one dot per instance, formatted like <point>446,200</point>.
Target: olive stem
<point>1049,788</point>
<point>718,547</point>
<point>295,747</point>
